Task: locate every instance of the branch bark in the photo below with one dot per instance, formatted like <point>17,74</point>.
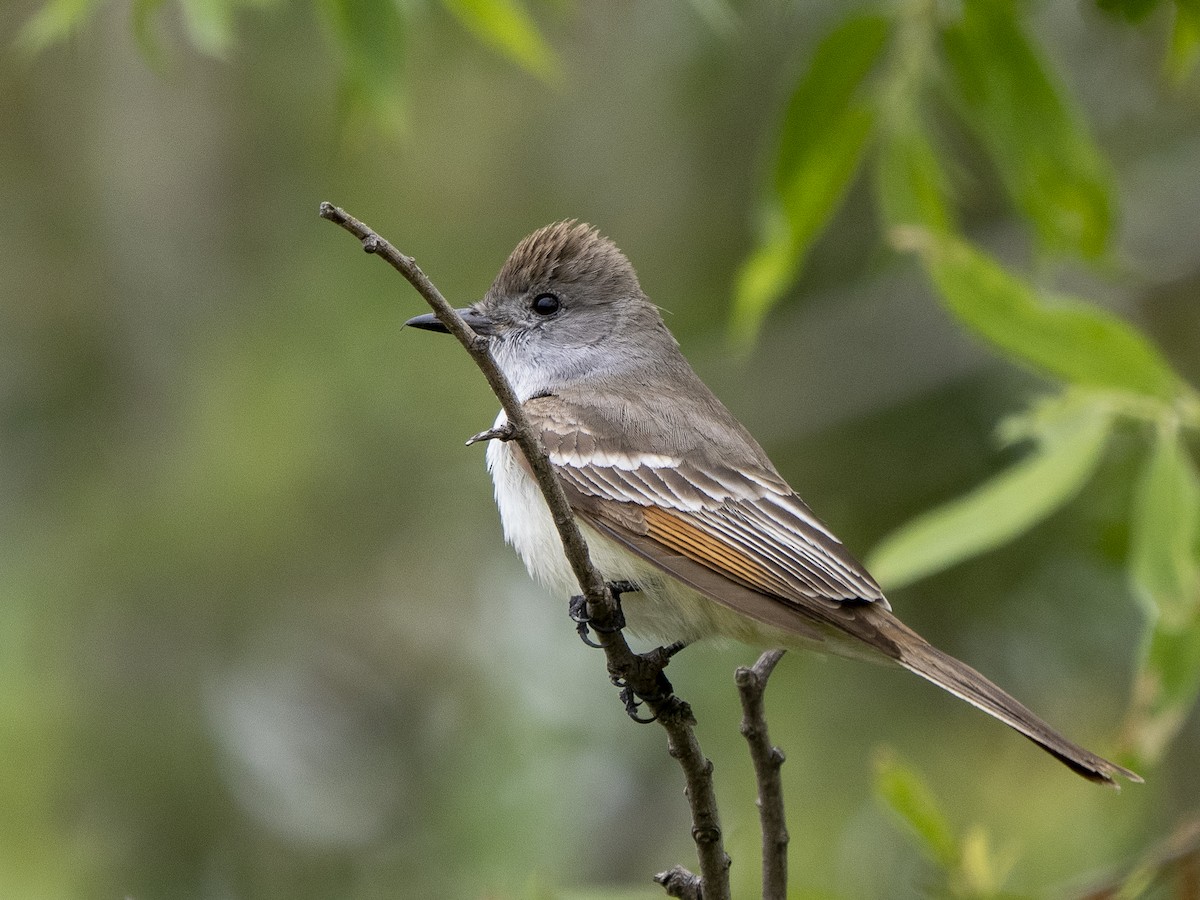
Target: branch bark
<point>641,673</point>
<point>678,882</point>
<point>752,685</point>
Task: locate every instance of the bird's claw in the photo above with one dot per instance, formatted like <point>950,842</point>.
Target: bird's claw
<point>629,698</point>
<point>577,609</point>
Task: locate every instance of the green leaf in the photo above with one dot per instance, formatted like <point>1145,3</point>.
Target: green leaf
<point>826,91</point>
<point>903,792</point>
<point>1165,689</point>
<point>209,25</point>
<point>370,34</point>
<point>142,15</point>
<point>909,183</point>
<point>1048,162</point>
<point>1173,661</point>
<point>982,869</point>
<point>1067,338</point>
<point>762,277</point>
<point>822,141</point>
<point>1184,48</point>
<point>1166,517</point>
<point>816,192</point>
<point>1071,436</point>
<point>54,22</point>
<point>508,27</point>
<point>815,187</point>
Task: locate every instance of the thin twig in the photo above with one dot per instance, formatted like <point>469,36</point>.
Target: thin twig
<point>752,685</point>
<point>641,673</point>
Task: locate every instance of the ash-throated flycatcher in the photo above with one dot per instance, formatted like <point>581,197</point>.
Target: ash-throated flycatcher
<point>672,493</point>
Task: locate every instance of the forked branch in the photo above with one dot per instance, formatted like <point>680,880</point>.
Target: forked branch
<point>752,685</point>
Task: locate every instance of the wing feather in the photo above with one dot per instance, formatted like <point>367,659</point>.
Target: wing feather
<point>681,535</point>
<point>740,520</point>
<point>792,558</point>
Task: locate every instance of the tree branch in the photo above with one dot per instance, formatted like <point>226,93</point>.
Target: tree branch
<point>643,674</point>
<point>752,685</point>
<point>678,882</point>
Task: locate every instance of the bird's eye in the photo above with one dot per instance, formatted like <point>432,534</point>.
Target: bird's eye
<point>545,304</point>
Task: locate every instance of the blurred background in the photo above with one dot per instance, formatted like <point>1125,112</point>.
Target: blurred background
<point>260,636</point>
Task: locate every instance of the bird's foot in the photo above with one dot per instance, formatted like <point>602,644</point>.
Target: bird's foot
<point>654,686</point>
<point>577,609</point>
<point>504,432</point>
<point>631,701</point>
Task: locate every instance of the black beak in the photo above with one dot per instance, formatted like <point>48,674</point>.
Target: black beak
<point>480,324</point>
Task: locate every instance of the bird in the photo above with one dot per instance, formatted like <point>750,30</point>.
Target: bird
<point>678,503</point>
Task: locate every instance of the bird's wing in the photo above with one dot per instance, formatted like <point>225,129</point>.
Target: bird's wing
<point>737,519</point>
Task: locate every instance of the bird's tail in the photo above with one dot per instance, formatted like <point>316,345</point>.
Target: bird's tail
<point>919,656</point>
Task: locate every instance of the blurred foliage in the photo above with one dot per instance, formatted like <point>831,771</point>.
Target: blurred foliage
<point>1164,571</point>
<point>1110,371</point>
<point>368,33</point>
<point>507,26</point>
<point>869,85</point>
<point>1066,339</point>
<point>984,64</point>
<point>1184,44</point>
<point>371,35</point>
<point>968,866</point>
<point>261,638</point>
<point>1069,434</point>
<point>824,135</point>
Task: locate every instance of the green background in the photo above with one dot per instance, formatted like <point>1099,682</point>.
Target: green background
<point>259,633</point>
